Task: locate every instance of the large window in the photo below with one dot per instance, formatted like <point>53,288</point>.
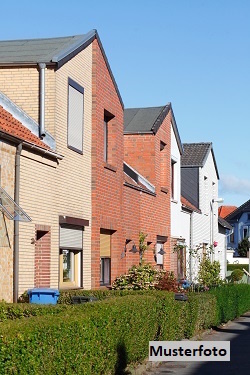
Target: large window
<point>105,257</point>
<point>71,239</point>
<point>75,116</point>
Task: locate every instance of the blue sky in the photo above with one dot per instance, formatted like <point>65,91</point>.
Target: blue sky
<point>194,53</point>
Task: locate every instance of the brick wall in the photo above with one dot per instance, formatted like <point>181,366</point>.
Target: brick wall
<point>143,152</point>
<point>107,179</point>
<point>42,256</point>
<point>21,85</point>
<point>49,189</point>
<point>7,180</point>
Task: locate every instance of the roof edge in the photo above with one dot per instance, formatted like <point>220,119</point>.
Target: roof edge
<point>25,119</point>
<point>81,43</point>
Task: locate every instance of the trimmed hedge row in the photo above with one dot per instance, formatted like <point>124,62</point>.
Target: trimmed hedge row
<point>232,301</point>
<point>66,295</point>
<point>232,267</point>
<point>99,338</point>
<point>104,337</point>
<point>18,310</point>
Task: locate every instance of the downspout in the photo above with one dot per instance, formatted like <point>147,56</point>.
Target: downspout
<point>16,223</point>
<point>42,67</point>
<point>191,246</point>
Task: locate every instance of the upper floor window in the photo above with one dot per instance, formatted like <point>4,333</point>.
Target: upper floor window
<point>248,217</point>
<point>75,116</point>
<point>173,166</point>
<point>108,139</point>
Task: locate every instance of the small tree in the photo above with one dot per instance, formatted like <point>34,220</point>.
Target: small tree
<point>243,247</point>
<point>209,272</point>
<point>142,246</point>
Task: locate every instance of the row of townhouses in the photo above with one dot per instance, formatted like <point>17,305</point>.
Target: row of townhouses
<point>80,176</point>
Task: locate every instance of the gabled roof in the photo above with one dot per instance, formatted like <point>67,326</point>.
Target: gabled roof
<point>51,51</point>
<point>224,223</point>
<point>224,211</point>
<point>235,215</point>
<point>196,154</point>
<point>9,125</point>
<point>149,120</point>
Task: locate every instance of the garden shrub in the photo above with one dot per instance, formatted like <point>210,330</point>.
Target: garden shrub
<point>168,282</point>
<point>17,311</point>
<point>139,277</point>
<point>232,301</point>
<point>209,272</point>
<point>236,275</point>
<point>104,337</point>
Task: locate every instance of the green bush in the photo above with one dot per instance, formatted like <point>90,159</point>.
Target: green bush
<point>104,337</point>
<point>66,295</point>
<point>209,273</point>
<point>232,301</point>
<point>97,337</point>
<point>139,277</point>
<point>232,267</point>
<point>236,275</point>
<point>24,310</point>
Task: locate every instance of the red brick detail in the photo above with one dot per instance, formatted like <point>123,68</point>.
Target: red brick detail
<point>142,212</point>
<point>42,256</point>
<point>107,178</point>
<point>13,127</point>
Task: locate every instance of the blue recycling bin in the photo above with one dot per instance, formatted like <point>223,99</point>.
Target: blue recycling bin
<point>43,295</point>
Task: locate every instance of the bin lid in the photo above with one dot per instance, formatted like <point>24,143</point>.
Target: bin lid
<point>43,291</point>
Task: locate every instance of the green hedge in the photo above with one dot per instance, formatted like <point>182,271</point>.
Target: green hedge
<point>24,310</point>
<point>65,296</point>
<point>232,267</point>
<point>232,301</point>
<point>104,337</point>
<point>98,338</point>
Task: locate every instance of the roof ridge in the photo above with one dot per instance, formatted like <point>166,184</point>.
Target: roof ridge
<point>35,39</point>
<point>157,106</point>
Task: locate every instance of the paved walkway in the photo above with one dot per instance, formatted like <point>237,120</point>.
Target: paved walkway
<point>238,333</point>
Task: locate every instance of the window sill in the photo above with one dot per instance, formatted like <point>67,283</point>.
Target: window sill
<point>164,189</point>
<point>110,167</point>
<point>105,286</point>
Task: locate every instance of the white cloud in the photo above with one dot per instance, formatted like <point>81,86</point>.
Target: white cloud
<point>233,184</point>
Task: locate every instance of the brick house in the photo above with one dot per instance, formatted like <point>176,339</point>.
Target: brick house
<point>47,85</point>
<point>13,134</point>
<point>147,149</point>
<point>64,91</point>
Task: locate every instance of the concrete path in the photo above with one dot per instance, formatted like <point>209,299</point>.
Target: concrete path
<point>238,333</point>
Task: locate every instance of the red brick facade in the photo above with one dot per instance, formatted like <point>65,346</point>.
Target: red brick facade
<point>150,155</point>
<point>42,256</point>
<point>107,178</point>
